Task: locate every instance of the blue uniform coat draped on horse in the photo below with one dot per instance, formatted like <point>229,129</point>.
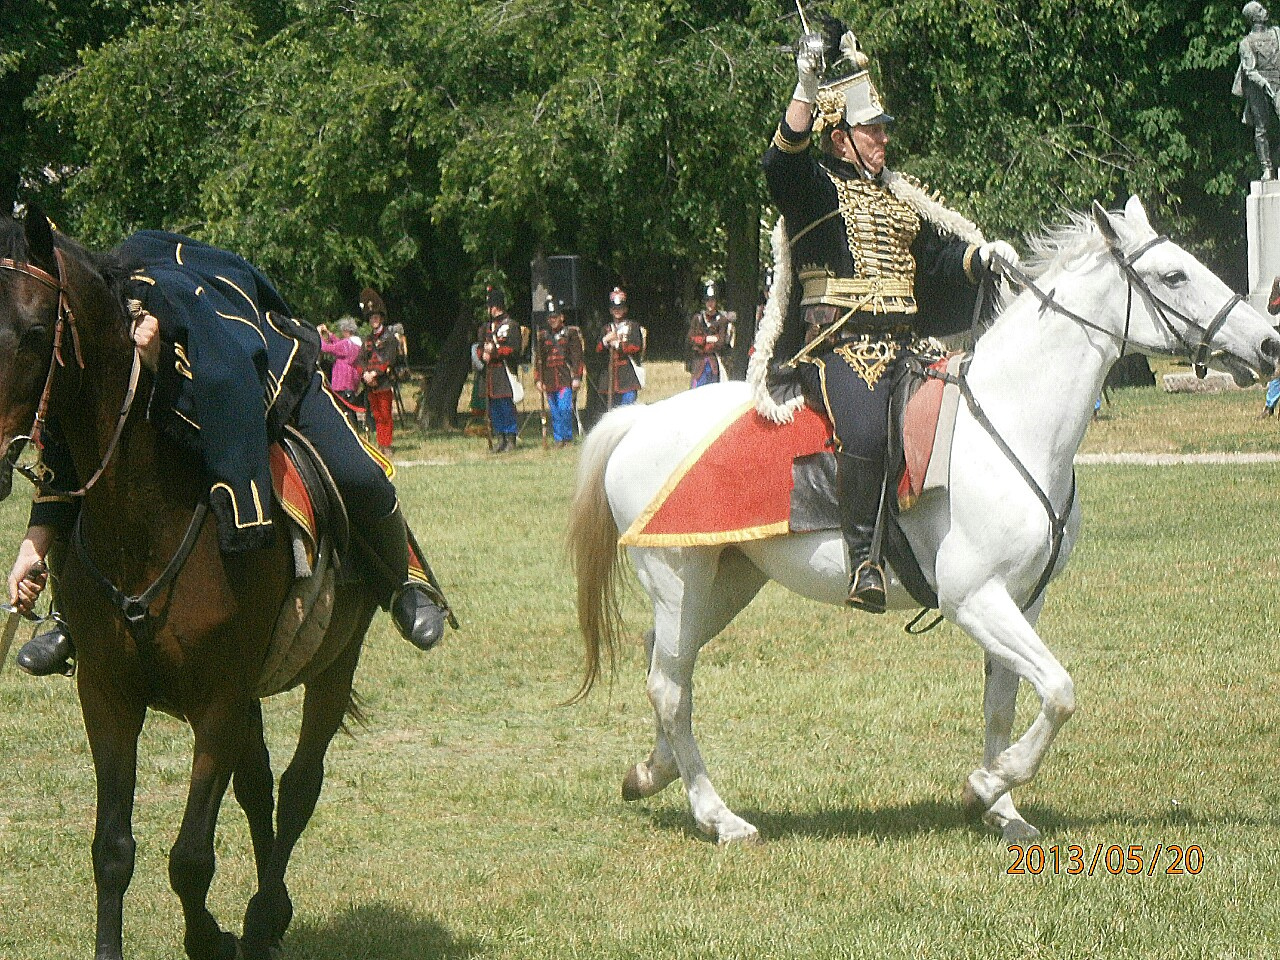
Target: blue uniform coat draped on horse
<point>231,351</point>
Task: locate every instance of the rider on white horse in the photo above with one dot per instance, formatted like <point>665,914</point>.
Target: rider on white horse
<point>880,264</point>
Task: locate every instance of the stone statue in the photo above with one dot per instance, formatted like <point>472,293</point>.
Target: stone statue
<point>1258,81</point>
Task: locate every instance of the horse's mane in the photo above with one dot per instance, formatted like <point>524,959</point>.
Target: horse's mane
<point>1054,245</point>
<point>13,246</point>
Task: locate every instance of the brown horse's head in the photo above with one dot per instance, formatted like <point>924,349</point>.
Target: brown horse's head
<point>46,280</point>
<point>29,297</point>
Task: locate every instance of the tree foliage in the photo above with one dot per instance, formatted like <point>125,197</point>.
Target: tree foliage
<point>429,148</point>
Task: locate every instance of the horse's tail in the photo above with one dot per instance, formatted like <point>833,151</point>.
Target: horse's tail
<point>593,546</point>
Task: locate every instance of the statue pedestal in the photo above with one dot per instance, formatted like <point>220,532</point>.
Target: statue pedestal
<point>1262,217</point>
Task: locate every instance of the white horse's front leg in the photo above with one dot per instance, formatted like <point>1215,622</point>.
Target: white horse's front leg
<point>992,618</point>
<point>999,699</point>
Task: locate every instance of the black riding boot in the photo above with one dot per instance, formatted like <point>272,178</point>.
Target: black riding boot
<point>418,609</point>
<point>858,484</point>
<point>48,652</point>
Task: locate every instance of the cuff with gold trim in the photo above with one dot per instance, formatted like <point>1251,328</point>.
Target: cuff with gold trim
<point>790,141</point>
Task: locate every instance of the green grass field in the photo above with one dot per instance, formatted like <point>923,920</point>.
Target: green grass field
<point>475,817</point>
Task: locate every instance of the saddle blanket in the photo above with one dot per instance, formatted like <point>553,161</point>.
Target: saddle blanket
<point>295,499</point>
<point>752,464</point>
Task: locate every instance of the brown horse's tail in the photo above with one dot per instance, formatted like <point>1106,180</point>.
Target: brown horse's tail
<point>593,546</point>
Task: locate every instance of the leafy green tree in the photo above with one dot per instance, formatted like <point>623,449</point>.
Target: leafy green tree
<point>429,148</point>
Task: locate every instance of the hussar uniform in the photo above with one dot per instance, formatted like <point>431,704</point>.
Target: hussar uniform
<point>709,336</point>
<point>229,342</point>
<point>499,343</point>
<point>624,340</point>
<point>873,264</point>
<point>378,356</point>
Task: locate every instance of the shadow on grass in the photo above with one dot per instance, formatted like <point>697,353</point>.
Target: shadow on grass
<point>376,931</point>
<point>932,816</point>
<point>923,816</point>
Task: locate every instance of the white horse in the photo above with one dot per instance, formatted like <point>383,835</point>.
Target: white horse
<point>1094,286</point>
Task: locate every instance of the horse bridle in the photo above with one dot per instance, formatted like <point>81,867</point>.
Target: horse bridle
<point>1199,355</point>
<point>136,610</point>
<point>39,474</point>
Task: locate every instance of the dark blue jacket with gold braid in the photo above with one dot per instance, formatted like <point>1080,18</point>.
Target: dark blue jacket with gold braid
<point>233,366</point>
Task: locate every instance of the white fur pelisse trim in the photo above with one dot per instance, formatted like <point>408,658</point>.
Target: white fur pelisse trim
<point>929,208</point>
<point>767,333</point>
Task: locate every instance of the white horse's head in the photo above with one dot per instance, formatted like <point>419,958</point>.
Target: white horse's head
<point>1179,306</point>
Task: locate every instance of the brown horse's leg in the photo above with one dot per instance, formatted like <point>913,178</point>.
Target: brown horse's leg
<point>219,744</point>
<point>112,725</point>
<point>323,708</point>
<point>254,789</point>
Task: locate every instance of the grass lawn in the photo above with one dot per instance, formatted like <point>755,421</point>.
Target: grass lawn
<point>475,817</point>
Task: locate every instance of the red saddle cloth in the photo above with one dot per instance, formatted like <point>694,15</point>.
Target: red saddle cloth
<point>294,497</point>
<point>736,485</point>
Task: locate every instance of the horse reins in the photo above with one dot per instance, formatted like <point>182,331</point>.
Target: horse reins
<point>66,320</point>
<point>136,610</point>
<point>1198,355</point>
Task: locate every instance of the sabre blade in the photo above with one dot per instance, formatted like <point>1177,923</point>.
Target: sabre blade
<point>804,23</point>
<point>10,631</point>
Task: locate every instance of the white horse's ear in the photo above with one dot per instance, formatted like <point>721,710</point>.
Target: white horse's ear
<point>1135,214</point>
<point>1106,224</point>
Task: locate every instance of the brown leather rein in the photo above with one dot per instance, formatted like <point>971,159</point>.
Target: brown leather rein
<point>38,474</point>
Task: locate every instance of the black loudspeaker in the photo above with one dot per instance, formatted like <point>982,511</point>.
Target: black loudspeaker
<point>560,277</point>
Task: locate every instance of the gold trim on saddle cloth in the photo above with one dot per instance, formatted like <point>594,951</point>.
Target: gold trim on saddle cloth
<point>635,535</point>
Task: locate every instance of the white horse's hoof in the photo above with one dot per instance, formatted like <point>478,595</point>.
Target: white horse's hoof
<point>740,838</point>
<point>640,783</point>
<point>1017,831</point>
<point>631,790</point>
<point>970,803</point>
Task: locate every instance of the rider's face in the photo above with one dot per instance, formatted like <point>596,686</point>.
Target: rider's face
<point>870,142</point>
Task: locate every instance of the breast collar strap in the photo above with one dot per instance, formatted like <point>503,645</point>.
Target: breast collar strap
<point>137,610</point>
<point>1057,520</point>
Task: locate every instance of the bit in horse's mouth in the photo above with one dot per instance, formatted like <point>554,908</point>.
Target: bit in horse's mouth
<point>1242,372</point>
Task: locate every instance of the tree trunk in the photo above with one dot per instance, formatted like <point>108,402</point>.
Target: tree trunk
<point>438,409</point>
<point>742,278</point>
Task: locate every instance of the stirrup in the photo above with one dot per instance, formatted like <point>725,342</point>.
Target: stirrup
<point>866,590</point>
<point>48,653</point>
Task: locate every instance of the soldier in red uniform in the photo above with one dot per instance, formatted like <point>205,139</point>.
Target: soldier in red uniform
<point>624,339</point>
<point>499,351</point>
<point>559,370</point>
<point>709,336</point>
<point>378,356</point>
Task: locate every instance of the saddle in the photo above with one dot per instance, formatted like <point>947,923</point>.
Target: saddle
<point>922,416</point>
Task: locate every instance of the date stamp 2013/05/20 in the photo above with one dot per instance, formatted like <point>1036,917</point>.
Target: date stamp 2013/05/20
<point>1133,859</point>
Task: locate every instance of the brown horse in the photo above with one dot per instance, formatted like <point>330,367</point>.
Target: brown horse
<point>65,344</point>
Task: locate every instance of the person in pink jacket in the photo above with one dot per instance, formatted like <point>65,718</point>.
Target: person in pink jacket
<point>344,379</point>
